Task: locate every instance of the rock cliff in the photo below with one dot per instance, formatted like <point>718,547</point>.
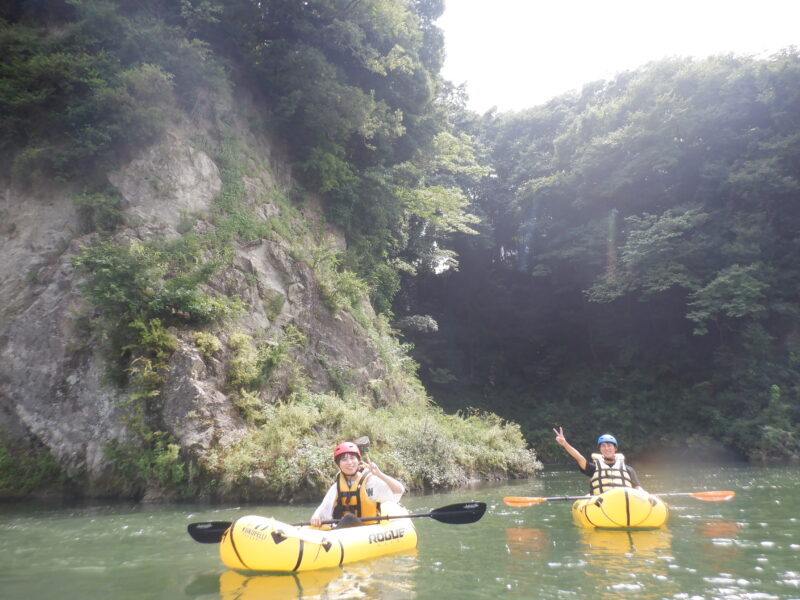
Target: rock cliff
<point>56,396</point>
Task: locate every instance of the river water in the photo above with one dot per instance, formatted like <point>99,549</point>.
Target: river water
<point>746,548</point>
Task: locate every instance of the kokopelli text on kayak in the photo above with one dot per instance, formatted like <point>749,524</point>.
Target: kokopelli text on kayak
<point>386,536</point>
<point>256,534</point>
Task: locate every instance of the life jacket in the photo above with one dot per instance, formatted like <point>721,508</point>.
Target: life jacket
<point>353,498</point>
<point>607,476</point>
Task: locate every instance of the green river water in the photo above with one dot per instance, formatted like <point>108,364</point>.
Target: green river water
<point>746,548</point>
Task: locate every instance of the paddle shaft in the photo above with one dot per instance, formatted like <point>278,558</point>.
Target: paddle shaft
<point>710,496</point>
<point>562,498</point>
<point>569,498</point>
<point>454,514</point>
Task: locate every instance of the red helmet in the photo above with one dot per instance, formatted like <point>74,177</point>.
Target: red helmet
<point>344,448</point>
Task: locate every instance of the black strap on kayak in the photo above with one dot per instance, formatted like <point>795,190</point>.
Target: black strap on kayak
<point>627,508</point>
<point>233,544</point>
<point>299,555</point>
<point>586,513</point>
<point>341,553</point>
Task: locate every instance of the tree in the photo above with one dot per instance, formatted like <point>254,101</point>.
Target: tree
<point>639,260</point>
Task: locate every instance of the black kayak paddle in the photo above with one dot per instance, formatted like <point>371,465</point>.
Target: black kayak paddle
<point>210,532</point>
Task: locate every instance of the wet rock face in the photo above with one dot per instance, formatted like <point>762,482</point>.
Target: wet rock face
<point>54,392</point>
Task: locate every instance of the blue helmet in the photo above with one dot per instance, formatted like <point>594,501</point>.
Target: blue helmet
<point>607,437</point>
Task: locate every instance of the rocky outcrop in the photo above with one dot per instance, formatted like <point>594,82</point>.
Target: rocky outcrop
<point>54,393</point>
<point>166,183</point>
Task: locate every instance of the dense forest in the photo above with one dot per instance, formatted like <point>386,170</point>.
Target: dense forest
<point>637,264</point>
<point>624,258</point>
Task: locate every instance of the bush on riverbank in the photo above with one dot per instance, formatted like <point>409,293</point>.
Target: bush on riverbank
<point>290,452</point>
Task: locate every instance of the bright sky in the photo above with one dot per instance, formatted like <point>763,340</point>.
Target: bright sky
<point>515,54</point>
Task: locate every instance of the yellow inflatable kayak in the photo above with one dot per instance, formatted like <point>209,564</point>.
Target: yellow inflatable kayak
<point>254,543</point>
<point>620,508</point>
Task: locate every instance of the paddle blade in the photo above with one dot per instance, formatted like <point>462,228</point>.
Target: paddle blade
<point>458,514</point>
<point>519,501</point>
<point>714,496</point>
<point>209,532</point>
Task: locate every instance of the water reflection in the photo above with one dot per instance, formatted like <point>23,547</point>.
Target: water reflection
<point>625,562</point>
<point>720,552</point>
<point>238,586</point>
<point>380,578</point>
<point>527,546</point>
<point>613,543</point>
<point>524,541</point>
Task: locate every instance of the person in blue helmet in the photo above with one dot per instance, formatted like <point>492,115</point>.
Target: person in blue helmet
<point>607,468</point>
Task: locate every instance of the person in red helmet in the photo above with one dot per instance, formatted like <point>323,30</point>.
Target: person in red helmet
<point>359,489</point>
<point>607,468</point>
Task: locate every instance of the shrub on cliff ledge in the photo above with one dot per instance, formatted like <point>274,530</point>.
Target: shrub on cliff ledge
<point>141,288</point>
<point>27,471</point>
<point>289,456</point>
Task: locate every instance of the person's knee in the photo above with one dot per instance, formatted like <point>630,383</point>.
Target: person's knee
<point>349,520</point>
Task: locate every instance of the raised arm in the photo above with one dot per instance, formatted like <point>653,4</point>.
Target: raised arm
<point>562,441</point>
<point>394,485</point>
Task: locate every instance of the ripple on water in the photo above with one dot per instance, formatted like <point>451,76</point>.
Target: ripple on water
<point>790,578</point>
<point>90,569</point>
<point>723,542</point>
<point>627,587</point>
